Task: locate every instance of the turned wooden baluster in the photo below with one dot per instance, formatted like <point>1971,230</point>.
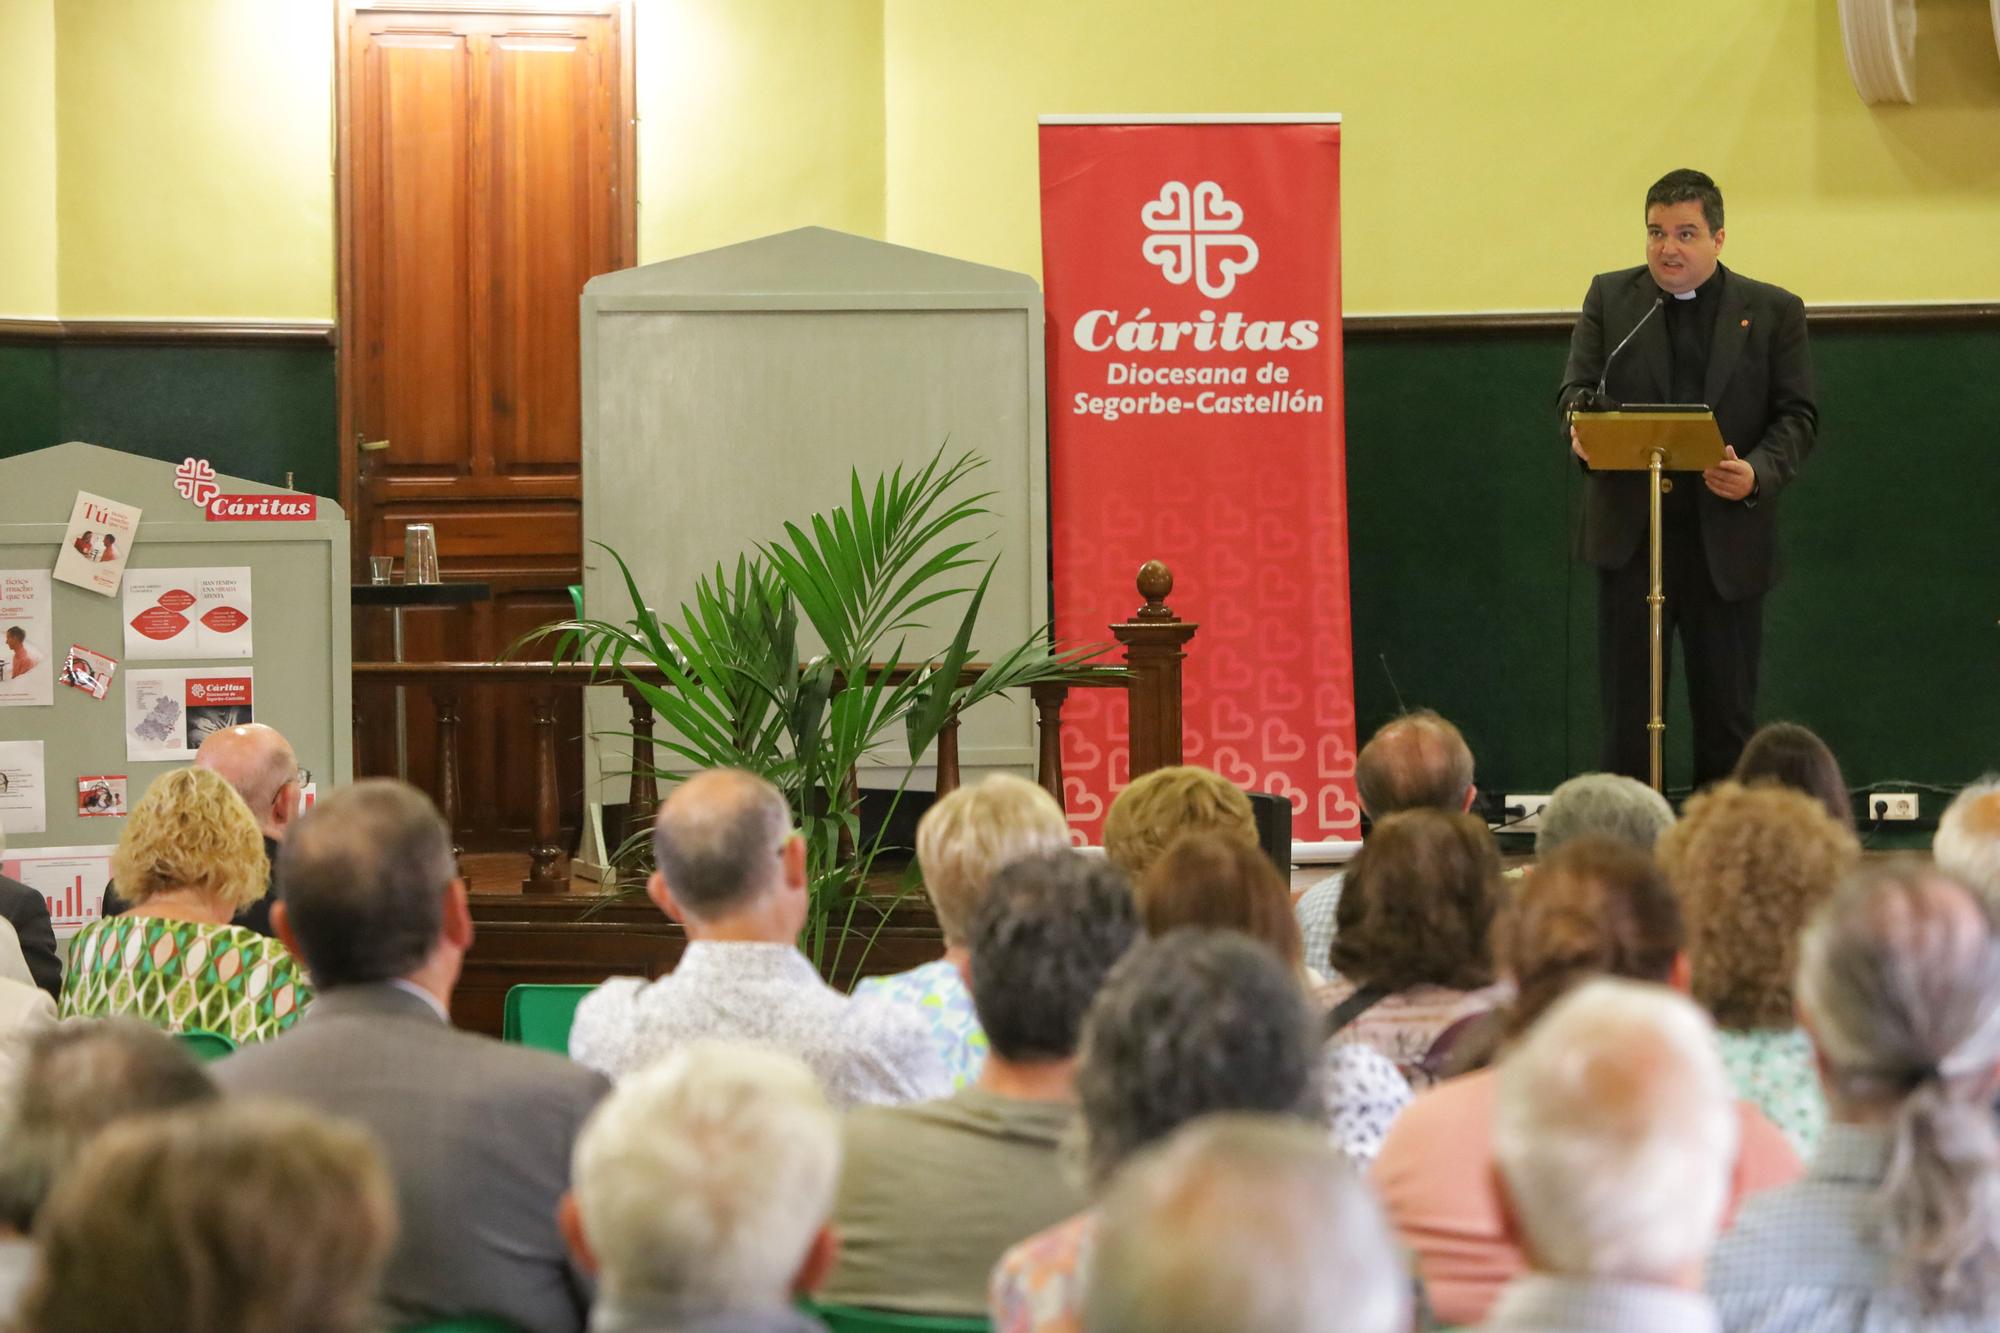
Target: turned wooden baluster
<point>1049,696</point>
<point>545,857</point>
<point>444,699</point>
<point>947,758</point>
<point>1154,640</point>
<point>643,793</point>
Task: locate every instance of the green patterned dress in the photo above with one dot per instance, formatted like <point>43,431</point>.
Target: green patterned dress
<point>184,974</point>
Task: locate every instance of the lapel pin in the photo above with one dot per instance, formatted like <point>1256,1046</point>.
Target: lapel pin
<point>1746,323</point>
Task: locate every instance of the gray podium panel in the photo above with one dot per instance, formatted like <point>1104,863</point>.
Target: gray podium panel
<point>728,392</point>
<point>300,622</point>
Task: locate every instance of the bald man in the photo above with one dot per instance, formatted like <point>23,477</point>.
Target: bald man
<point>258,761</point>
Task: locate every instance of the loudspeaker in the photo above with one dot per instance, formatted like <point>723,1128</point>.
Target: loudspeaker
<point>1274,829</point>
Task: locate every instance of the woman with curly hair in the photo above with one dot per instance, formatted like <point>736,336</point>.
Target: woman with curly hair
<point>190,858</point>
<point>1412,956</point>
<point>1750,865</point>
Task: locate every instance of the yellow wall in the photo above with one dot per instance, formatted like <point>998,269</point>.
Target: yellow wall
<point>27,159</point>
<point>756,116</point>
<point>1495,155</point>
<point>196,168</point>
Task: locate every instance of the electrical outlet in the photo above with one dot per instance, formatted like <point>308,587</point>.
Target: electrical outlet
<point>1522,814</point>
<point>1892,805</point>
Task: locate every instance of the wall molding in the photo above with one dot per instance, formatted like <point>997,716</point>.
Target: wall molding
<point>1905,317</point>
<point>171,332</point>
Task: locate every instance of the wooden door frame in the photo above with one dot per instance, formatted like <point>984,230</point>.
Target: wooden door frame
<point>625,179</point>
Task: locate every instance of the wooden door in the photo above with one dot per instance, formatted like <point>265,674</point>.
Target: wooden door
<point>485,161</point>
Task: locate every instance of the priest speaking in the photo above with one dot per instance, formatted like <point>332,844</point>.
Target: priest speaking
<point>1681,328</point>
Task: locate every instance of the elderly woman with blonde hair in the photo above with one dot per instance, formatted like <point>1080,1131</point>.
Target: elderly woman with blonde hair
<point>190,858</point>
<point>961,842</point>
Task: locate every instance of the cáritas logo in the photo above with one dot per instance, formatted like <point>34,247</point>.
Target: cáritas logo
<point>263,508</point>
<point>1196,236</point>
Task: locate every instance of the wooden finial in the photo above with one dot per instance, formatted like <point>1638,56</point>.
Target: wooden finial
<point>1155,582</point>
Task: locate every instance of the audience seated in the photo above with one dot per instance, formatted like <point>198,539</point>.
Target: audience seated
<point>1212,882</point>
<point>73,1081</point>
<point>259,763</point>
<point>1418,761</point>
<point>1596,907</point>
<point>28,913</point>
<point>961,841</point>
<point>1242,1224</point>
<point>732,871</point>
<point>1169,803</point>
<point>703,1186</point>
<point>1613,1131</point>
<point>1793,756</point>
<point>1750,864</point>
<point>238,1219</point>
<point>931,1194</point>
<point>1897,1223</point>
<point>1967,843</point>
<point>1412,958</point>
<point>477,1133</point>
<point>190,859</point>
<point>1602,805</point>
<point>1196,1022</point>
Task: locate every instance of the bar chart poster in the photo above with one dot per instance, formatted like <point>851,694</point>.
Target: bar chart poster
<point>70,879</point>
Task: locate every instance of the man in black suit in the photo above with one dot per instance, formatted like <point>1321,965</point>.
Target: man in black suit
<point>28,912</point>
<point>1699,333</point>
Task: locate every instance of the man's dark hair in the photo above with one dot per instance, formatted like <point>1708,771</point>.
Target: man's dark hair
<point>75,1080</point>
<point>717,839</point>
<point>1048,931</point>
<point>363,879</point>
<point>1193,1022</point>
<point>13,630</point>
<point>1688,186</point>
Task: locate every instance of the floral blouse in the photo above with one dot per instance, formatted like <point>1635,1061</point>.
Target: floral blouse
<point>1772,1068</point>
<point>184,974</point>
<point>936,994</point>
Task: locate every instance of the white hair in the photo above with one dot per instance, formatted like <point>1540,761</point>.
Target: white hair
<point>1967,842</point>
<point>703,1179</point>
<point>1615,1132</point>
<point>1244,1224</point>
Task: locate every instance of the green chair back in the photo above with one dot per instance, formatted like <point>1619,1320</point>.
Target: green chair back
<point>854,1319</point>
<point>540,1016</point>
<point>206,1045</point>
<point>476,1323</point>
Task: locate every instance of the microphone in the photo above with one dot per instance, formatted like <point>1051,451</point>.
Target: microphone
<point>1651,310</point>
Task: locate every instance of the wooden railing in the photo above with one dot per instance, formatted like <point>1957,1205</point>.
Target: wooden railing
<point>1155,642</point>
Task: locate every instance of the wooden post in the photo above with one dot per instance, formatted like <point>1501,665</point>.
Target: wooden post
<point>947,758</point>
<point>643,791</point>
<point>1049,696</point>
<point>444,699</point>
<point>1154,640</point>
<point>545,857</point>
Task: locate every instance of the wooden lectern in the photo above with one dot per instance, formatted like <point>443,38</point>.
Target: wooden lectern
<point>1655,440</point>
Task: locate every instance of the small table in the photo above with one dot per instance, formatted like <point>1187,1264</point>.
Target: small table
<point>398,597</point>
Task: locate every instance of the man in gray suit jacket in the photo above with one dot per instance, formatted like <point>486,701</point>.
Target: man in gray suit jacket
<point>478,1134</point>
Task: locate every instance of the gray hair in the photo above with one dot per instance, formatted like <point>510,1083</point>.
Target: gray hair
<point>1615,1129</point>
<point>717,837</point>
<point>1244,1224</point>
<point>75,1080</point>
<point>1049,930</point>
<point>1607,805</point>
<point>1899,979</point>
<point>1193,1022</point>
<point>363,879</point>
<point>1967,843</point>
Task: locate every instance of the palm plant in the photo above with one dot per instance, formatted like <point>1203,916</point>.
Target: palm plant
<point>736,694</point>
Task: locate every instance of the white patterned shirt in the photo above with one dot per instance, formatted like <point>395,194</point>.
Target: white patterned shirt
<point>936,994</point>
<point>768,995</point>
<point>1364,1095</point>
<point>1539,1303</point>
<point>1316,909</point>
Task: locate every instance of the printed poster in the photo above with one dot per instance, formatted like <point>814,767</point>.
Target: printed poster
<point>23,807</point>
<point>101,796</point>
<point>70,879</point>
<point>27,677</point>
<point>169,713</point>
<point>182,613</point>
<point>97,543</point>
<point>88,671</point>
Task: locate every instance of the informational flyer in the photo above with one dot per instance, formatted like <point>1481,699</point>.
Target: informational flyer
<point>23,788</point>
<point>70,879</point>
<point>88,671</point>
<point>100,796</point>
<point>169,713</point>
<point>27,677</point>
<point>97,543</point>
<point>180,613</point>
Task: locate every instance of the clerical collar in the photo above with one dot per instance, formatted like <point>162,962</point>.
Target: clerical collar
<point>1687,295</point>
<point>1710,285</point>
